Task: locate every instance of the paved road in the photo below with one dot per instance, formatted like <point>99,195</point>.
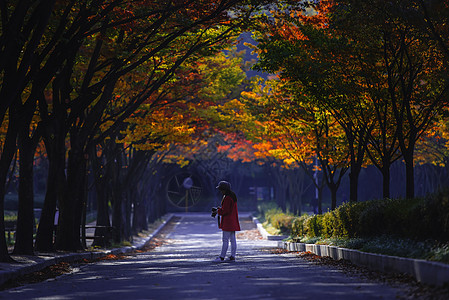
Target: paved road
<point>182,269</point>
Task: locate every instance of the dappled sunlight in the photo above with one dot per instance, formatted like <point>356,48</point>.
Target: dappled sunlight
<point>92,278</point>
<point>120,278</point>
<point>183,269</point>
<point>355,284</point>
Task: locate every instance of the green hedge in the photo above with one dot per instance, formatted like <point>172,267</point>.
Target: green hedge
<point>418,218</point>
<point>274,216</point>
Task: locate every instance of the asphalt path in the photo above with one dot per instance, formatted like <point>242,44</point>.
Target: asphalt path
<point>182,268</point>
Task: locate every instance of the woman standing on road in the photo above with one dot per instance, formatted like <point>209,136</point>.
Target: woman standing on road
<point>229,220</point>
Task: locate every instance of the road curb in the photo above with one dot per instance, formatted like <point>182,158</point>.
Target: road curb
<point>428,272</point>
<point>264,233</point>
<point>46,260</point>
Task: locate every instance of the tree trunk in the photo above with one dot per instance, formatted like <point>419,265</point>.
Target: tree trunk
<point>320,200</point>
<point>45,231</point>
<point>118,206</point>
<point>356,155</point>
<point>25,217</point>
<point>281,189</point>
<point>101,177</point>
<point>333,189</point>
<point>126,202</point>
<point>148,193</point>
<point>7,154</point>
<point>385,180</point>
<point>332,177</point>
<point>4,255</point>
<point>117,215</point>
<point>71,206</point>
<point>409,174</point>
<point>102,218</point>
<point>56,185</point>
<point>353,184</point>
<point>139,215</point>
<point>296,189</point>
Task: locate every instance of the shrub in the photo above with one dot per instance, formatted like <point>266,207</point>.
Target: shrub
<point>430,217</point>
<point>398,216</point>
<point>418,218</point>
<point>298,226</point>
<point>396,247</point>
<point>372,218</point>
<point>270,213</point>
<point>388,216</point>
<point>10,219</point>
<point>282,221</point>
<point>328,224</point>
<point>413,219</point>
<point>354,210</point>
<point>10,216</point>
<point>440,254</point>
<point>313,226</point>
<point>346,215</point>
<point>309,240</point>
<point>264,207</point>
<point>352,243</point>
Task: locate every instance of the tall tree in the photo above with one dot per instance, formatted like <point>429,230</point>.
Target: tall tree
<point>379,89</point>
<point>301,49</point>
<point>303,131</point>
<point>145,31</point>
<point>413,62</point>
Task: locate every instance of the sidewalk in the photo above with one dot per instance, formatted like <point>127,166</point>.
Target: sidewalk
<point>27,264</point>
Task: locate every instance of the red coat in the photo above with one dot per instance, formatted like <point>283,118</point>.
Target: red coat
<point>229,215</point>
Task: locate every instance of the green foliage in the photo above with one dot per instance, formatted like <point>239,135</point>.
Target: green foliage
<point>271,213</point>
<point>430,218</point>
<point>298,226</point>
<point>283,222</point>
<point>313,226</point>
<point>388,245</point>
<point>418,218</point>
<point>264,207</point>
<point>126,244</point>
<point>275,217</point>
<point>270,229</point>
<point>414,228</point>
<point>329,223</point>
<point>354,243</point>
<point>10,216</point>
<point>310,240</point>
<point>372,219</point>
<point>345,216</point>
<point>10,238</point>
<point>396,247</point>
<point>440,253</point>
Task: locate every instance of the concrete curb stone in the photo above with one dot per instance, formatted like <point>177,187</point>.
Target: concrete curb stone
<point>428,272</point>
<point>265,234</point>
<point>43,260</point>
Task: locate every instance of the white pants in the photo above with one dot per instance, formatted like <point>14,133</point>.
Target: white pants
<point>228,235</point>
